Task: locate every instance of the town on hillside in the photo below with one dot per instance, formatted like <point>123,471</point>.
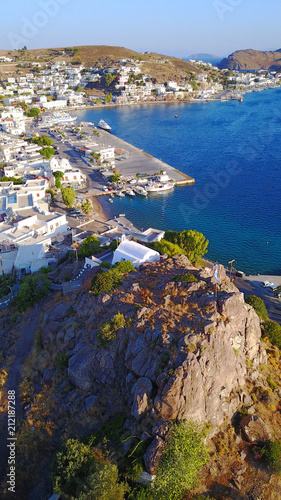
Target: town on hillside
<point>52,168</point>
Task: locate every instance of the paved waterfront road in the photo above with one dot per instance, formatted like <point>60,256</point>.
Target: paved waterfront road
<point>251,285</point>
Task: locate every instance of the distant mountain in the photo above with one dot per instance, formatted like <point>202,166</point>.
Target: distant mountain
<point>252,59</point>
<point>205,58</point>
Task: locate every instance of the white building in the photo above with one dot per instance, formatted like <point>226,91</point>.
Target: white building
<point>61,103</point>
<point>134,252</point>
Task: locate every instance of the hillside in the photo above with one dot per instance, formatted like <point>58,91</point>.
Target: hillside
<point>99,56</point>
<point>252,59</point>
<point>122,366</point>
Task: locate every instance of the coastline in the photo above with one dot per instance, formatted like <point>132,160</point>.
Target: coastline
<point>171,102</point>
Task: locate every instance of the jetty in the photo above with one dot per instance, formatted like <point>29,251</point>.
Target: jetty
<point>136,161</point>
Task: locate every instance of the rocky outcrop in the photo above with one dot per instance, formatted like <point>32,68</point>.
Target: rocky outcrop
<point>252,59</point>
<point>254,429</point>
<point>185,353</point>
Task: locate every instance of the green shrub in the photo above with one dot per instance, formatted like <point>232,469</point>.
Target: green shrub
<point>73,463</point>
<point>272,330</point>
<point>108,330</point>
<point>258,304</point>
<point>167,247</point>
<point>271,453</point>
<point>183,457</point>
<point>113,245</point>
<point>68,196</point>
<point>125,266</point>
<point>188,278</point>
<point>15,180</point>
<point>271,384</point>
<point>32,289</point>
<point>62,360</point>
<point>90,246</point>
<point>5,284</point>
<point>102,484</point>
<point>105,265</point>
<point>105,282</point>
<point>193,242</point>
<point>118,321</point>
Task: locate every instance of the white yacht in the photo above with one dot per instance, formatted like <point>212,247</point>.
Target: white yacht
<point>158,187</point>
<point>58,119</point>
<point>130,192</point>
<point>140,190</point>
<point>121,194</point>
<point>102,124</point>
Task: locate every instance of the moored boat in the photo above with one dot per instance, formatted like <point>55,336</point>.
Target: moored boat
<point>140,190</point>
<point>130,192</point>
<point>157,187</point>
<point>103,125</point>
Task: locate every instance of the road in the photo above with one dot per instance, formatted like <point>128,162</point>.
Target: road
<point>251,285</point>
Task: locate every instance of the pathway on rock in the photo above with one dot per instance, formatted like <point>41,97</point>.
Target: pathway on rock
<point>22,351</point>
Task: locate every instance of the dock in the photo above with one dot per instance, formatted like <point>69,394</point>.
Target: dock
<point>140,162</point>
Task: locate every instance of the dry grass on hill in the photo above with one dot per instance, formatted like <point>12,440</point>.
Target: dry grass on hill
<point>99,56</point>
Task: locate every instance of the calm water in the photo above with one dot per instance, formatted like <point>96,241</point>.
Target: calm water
<point>233,150</point>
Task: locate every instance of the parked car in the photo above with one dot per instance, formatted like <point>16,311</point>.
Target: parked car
<point>266,284</point>
<point>240,274</point>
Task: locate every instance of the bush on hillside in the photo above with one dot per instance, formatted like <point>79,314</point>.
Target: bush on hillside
<point>105,282</point>
<point>188,278</point>
<point>258,304</point>
<point>125,266</point>
<point>272,330</point>
<point>108,330</point>
<point>167,247</point>
<point>32,289</point>
<point>84,473</point>
<point>271,453</point>
<point>90,246</point>
<point>193,242</point>
<point>184,456</point>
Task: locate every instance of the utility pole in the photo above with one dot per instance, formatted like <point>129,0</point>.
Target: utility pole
<point>230,270</point>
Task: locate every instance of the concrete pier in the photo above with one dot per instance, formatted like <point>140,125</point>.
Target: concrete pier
<point>140,162</point>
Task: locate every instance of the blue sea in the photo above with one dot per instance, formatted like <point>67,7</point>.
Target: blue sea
<point>233,150</point>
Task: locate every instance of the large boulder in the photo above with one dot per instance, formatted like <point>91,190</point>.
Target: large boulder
<point>80,367</point>
<point>153,455</point>
<point>254,429</point>
<point>142,393</point>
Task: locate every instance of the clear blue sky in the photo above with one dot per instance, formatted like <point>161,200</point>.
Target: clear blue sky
<point>169,27</point>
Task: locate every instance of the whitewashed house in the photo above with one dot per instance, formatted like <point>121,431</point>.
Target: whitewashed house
<point>134,252</point>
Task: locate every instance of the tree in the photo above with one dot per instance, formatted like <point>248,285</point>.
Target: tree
<point>42,140</point>
<point>258,304</point>
<point>68,196</point>
<point>47,152</point>
<point>90,246</point>
<point>109,79</point>
<point>167,247</point>
<point>33,112</point>
<point>193,242</point>
<point>33,288</point>
<point>58,175</point>
<point>108,98</point>
<point>103,485</point>
<point>85,474</point>
<point>184,456</point>
<point>86,207</point>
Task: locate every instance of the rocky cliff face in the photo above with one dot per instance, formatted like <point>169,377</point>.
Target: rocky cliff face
<point>252,59</point>
<point>183,354</point>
